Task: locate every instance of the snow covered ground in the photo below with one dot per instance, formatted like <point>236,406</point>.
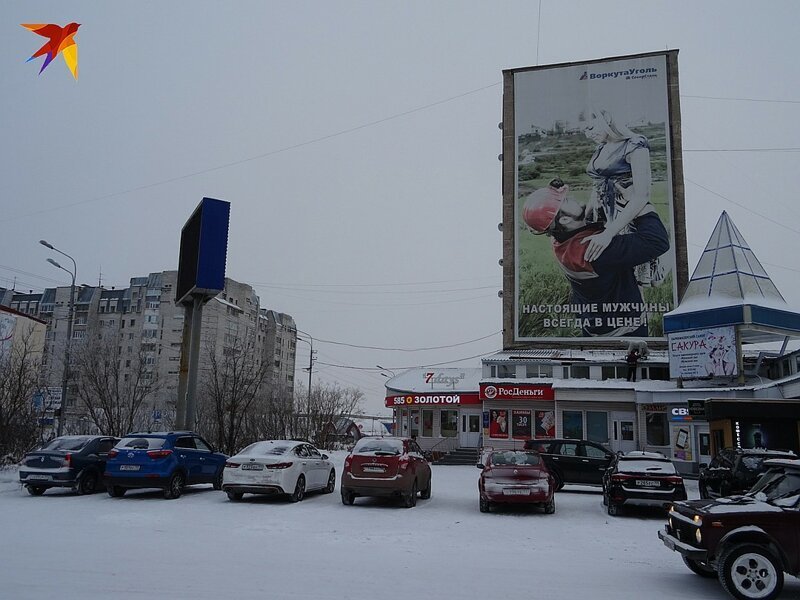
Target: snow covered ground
<point>202,546</point>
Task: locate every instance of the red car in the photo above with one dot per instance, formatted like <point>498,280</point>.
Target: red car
<point>386,466</point>
<point>515,477</point>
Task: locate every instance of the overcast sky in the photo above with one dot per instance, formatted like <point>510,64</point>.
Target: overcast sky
<point>357,143</point>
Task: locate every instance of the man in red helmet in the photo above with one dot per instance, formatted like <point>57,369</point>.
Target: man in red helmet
<point>608,280</point>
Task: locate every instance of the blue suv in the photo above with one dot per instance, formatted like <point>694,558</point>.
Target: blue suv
<point>167,460</point>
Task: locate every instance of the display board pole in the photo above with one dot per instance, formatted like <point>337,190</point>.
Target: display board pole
<point>194,359</point>
<point>183,373</point>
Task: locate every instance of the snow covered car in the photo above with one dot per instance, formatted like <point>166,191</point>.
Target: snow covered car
<point>169,460</point>
<point>642,478</point>
<point>748,541</point>
<point>278,467</point>
<point>386,466</point>
<point>72,461</point>
<point>515,477</point>
<point>736,470</point>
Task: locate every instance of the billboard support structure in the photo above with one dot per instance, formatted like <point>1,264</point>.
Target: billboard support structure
<point>201,276</point>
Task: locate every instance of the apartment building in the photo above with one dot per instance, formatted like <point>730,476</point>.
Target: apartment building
<point>144,326</point>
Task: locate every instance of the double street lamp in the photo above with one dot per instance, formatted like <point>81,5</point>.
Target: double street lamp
<point>71,311</point>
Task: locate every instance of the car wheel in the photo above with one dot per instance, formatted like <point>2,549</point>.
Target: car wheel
<point>558,482</point>
<point>613,509</point>
<point>331,483</point>
<point>299,489</point>
<point>410,499</point>
<point>426,493</point>
<point>218,479</point>
<point>348,498</point>
<point>235,496</point>
<point>550,507</point>
<point>116,491</point>
<point>175,486</point>
<point>750,572</point>
<point>87,484</point>
<point>701,568</point>
<point>484,505</point>
<point>36,490</point>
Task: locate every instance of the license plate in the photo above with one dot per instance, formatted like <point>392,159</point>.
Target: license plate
<point>647,483</point>
<point>129,467</point>
<point>516,492</point>
<point>252,467</point>
<point>374,469</point>
<point>39,477</point>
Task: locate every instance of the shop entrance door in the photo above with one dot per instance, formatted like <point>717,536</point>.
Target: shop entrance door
<point>703,442</point>
<point>470,429</point>
<point>623,431</point>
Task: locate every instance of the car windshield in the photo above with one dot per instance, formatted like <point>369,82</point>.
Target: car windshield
<point>267,448</point>
<point>140,443</point>
<point>638,465</point>
<point>778,487</point>
<point>515,458</point>
<point>71,442</point>
<point>382,446</point>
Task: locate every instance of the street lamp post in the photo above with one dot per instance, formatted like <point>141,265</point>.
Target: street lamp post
<point>71,312</point>
<point>310,342</point>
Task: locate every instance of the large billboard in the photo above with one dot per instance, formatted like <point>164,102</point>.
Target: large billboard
<point>593,233</point>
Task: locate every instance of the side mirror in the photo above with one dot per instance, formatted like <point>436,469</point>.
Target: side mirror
<point>324,457</point>
<point>480,466</point>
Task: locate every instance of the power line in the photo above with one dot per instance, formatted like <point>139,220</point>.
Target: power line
<point>257,156</point>
<point>392,292</point>
<point>393,284</point>
<point>742,99</point>
<point>409,349</point>
<point>448,362</point>
<point>742,150</point>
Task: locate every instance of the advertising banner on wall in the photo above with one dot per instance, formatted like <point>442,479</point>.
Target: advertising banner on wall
<point>521,424</point>
<point>594,221</point>
<point>545,424</point>
<point>498,423</point>
<point>703,353</point>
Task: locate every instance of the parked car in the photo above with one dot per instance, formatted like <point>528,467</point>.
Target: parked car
<point>748,541</point>
<point>641,478</point>
<point>386,466</point>
<point>515,477</point>
<point>573,461</point>
<point>278,467</point>
<point>167,460</point>
<point>72,461</point>
<point>736,470</point>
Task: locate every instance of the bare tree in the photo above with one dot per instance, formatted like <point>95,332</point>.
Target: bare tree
<point>318,413</point>
<point>233,387</point>
<point>20,366</point>
<point>113,387</point>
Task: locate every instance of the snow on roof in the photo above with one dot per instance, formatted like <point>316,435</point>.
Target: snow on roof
<point>436,380</point>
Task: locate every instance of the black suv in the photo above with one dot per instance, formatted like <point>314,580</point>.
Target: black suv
<point>573,461</point>
<point>748,541</point>
<point>73,461</point>
<point>736,470</point>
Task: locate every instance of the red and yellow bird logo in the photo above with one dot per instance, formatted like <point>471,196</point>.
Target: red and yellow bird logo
<point>61,40</point>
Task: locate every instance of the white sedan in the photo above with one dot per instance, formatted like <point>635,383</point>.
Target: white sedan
<point>278,467</point>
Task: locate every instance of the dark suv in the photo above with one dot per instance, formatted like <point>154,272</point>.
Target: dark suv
<point>166,460</point>
<point>747,541</point>
<point>573,461</point>
<point>736,470</point>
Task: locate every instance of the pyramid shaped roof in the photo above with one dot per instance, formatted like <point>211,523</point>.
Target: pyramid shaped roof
<point>729,286</point>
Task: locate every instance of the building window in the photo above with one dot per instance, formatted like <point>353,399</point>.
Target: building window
<point>507,371</point>
<point>427,423</point>
<point>579,371</point>
<point>537,370</point>
<point>449,425</point>
<point>597,426</point>
<point>657,428</point>
<point>572,424</point>
<point>612,372</point>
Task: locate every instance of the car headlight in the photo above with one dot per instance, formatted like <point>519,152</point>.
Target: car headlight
<point>698,536</point>
<point>698,520</point>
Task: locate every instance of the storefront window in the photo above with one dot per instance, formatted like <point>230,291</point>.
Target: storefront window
<point>597,426</point>
<point>498,423</point>
<point>449,423</point>
<point>573,424</point>
<point>414,423</point>
<point>657,428</point>
<point>427,423</point>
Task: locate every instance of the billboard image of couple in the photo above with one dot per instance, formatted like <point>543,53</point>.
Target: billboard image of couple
<point>594,234</point>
